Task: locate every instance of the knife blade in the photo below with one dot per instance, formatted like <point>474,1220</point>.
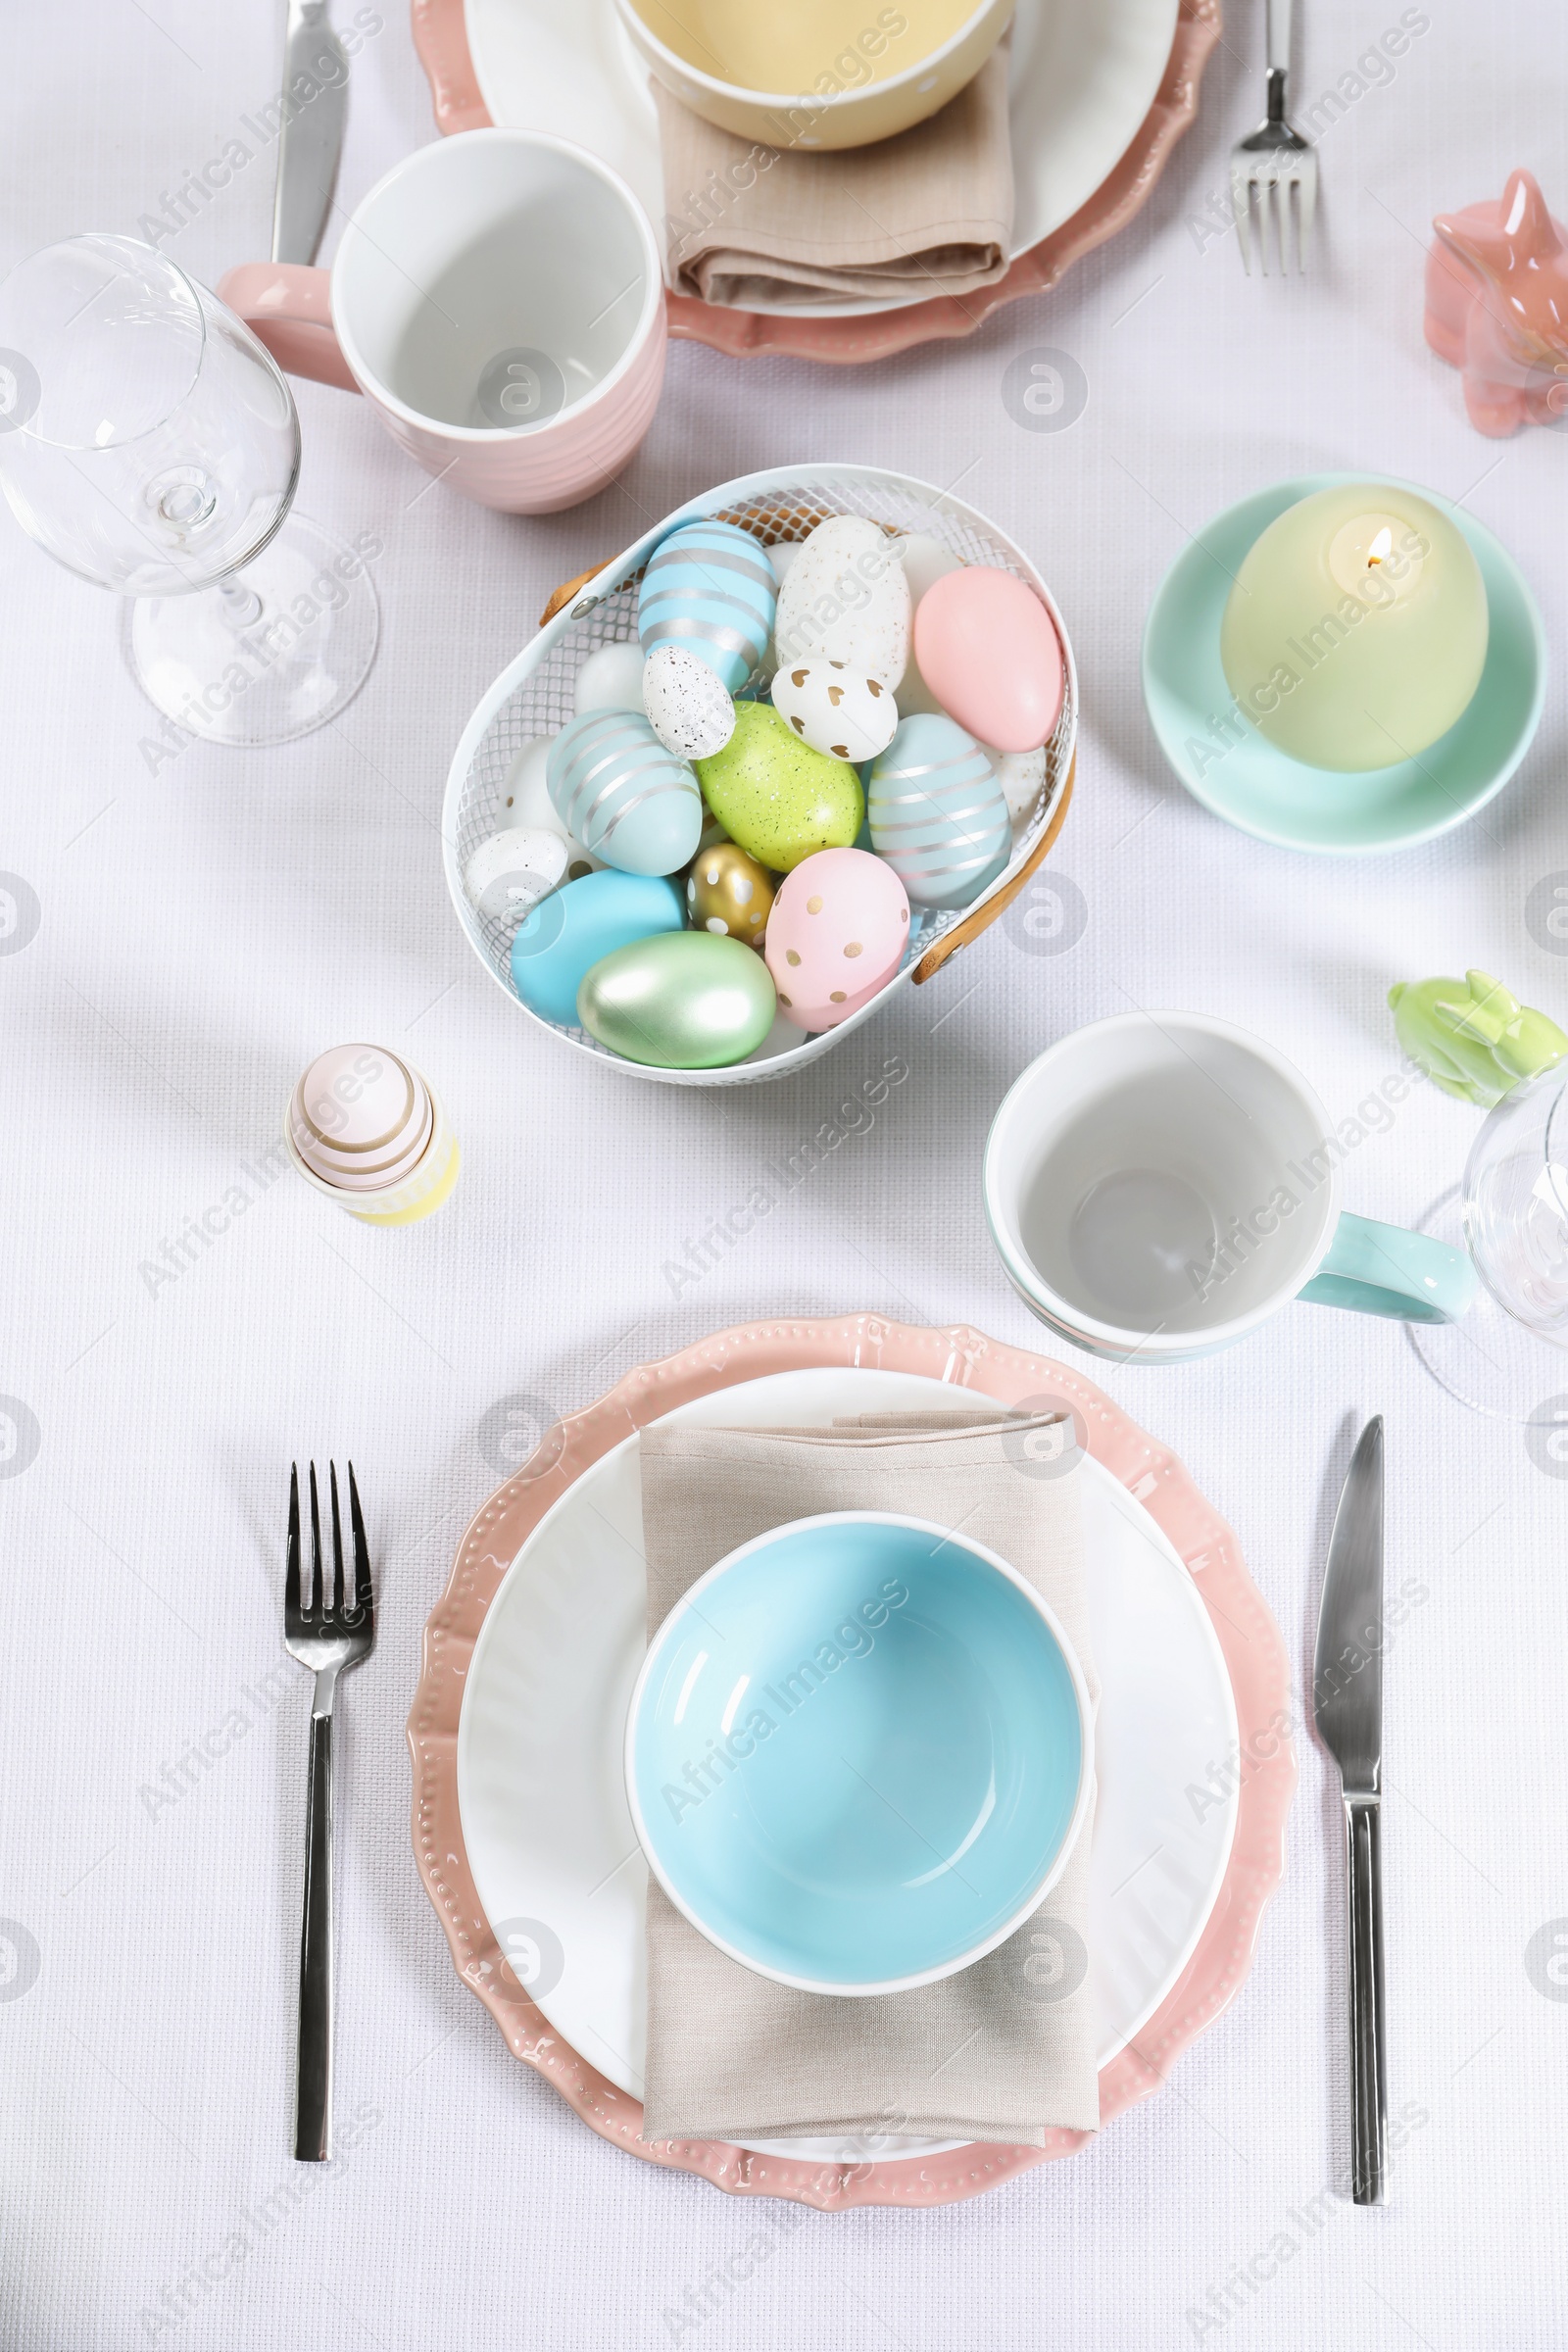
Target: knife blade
<point>1347,1705</point>
<point>315,104</point>
<point>1348,1668</point>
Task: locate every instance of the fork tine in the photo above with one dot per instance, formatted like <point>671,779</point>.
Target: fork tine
<point>291,1577</point>
<point>1242,213</point>
<point>1268,216</point>
<point>1306,197</point>
<point>337,1545</point>
<point>315,1548</point>
<point>362,1549</point>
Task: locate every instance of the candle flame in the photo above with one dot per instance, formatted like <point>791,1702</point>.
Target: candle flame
<point>1381,549</point>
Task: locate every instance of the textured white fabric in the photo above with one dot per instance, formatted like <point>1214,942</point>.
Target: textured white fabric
<point>205,929</point>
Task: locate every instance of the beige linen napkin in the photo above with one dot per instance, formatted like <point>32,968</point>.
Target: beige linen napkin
<point>1002,2052</point>
<point>924,214</point>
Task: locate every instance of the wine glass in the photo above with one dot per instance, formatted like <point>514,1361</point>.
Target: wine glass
<point>149,442</point>
<point>1505,1357</point>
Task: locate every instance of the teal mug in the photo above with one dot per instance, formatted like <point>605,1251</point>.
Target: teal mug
<point>1157,1185</point>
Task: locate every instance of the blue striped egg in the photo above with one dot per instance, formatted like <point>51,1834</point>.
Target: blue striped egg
<point>619,792</point>
<point>936,813</point>
<point>710,588</point>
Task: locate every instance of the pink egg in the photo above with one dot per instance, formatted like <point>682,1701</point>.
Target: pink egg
<point>837,934</point>
<point>985,645</point>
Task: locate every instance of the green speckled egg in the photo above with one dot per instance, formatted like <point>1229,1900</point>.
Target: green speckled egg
<point>681,1001</point>
<point>775,795</point>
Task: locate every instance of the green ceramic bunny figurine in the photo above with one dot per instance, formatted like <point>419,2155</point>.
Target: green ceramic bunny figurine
<point>1471,1036</point>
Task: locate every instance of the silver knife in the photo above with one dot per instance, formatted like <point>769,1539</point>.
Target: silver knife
<point>1348,1704</point>
<point>315,89</point>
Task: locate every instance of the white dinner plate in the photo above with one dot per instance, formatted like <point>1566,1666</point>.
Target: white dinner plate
<point>1082,76</point>
<point>543,1804</point>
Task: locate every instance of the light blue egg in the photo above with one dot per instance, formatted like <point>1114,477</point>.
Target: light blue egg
<point>622,795</point>
<point>559,942</point>
<point>710,588</point>
<point>937,811</point>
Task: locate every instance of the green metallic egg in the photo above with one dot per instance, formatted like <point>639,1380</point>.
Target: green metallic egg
<point>681,1001</point>
<point>775,795</point>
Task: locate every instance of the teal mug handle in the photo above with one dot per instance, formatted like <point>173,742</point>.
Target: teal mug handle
<point>1384,1270</point>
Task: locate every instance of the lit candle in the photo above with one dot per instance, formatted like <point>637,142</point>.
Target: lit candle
<point>1357,630</point>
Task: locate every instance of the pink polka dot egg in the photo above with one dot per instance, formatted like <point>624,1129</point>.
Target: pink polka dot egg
<point>836,935</point>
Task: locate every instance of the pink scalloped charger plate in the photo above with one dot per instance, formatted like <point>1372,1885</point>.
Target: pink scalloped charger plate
<point>442,40</point>
<point>1263,1769</point>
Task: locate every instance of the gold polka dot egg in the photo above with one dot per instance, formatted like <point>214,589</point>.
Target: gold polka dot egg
<point>729,892</point>
<point>836,935</point>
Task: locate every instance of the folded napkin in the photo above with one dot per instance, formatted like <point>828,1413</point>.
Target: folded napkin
<point>1005,2049</point>
<point>927,213</point>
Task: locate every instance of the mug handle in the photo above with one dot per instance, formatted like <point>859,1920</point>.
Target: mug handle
<point>288,307</point>
<point>1384,1270</point>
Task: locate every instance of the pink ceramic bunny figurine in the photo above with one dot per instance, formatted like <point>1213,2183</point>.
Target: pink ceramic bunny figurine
<point>1498,306</point>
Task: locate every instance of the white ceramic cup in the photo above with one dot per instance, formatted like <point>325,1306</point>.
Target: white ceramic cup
<point>1159,1183</point>
<point>499,299</point>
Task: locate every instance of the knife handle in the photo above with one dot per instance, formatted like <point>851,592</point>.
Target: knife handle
<point>1363,1855</point>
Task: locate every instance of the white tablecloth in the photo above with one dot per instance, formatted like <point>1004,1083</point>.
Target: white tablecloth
<point>206,928</point>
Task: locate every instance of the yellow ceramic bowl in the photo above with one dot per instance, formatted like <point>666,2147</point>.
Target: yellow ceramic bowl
<point>814,74</point>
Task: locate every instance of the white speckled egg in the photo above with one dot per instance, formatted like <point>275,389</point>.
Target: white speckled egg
<point>1021,774</point>
<point>611,679</point>
<point>622,795</point>
<point>845,598</point>
<point>512,871</point>
<point>835,710</point>
<point>687,703</point>
<point>837,934</point>
<point>936,813</point>
<point>783,556</point>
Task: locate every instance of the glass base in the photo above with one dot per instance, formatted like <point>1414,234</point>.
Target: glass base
<point>1489,1361</point>
<point>274,652</point>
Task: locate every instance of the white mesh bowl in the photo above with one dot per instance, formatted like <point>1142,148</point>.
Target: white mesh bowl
<point>533,696</point>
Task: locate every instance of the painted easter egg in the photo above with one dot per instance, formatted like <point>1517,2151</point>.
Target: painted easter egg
<point>620,792</point>
<point>524,797</point>
<point>845,598</point>
<point>986,648</point>
<point>835,710</point>
<point>775,795</point>
<point>838,932</point>
<point>611,679</point>
<point>683,1002</point>
<point>524,805</point>
<point>512,871</point>
<point>688,705</point>
<point>710,588</point>
<point>936,813</point>
<point>1021,775</point>
<point>567,933</point>
<point>727,891</point>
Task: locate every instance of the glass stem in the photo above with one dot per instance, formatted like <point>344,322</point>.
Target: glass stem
<point>243,606</point>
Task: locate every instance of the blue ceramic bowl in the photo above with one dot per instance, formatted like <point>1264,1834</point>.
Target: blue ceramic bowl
<point>1244,779</point>
<point>858,1754</point>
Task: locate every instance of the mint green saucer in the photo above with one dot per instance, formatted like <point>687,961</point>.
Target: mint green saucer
<point>1280,800</point>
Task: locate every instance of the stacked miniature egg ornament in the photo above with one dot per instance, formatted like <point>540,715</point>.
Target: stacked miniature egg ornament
<point>938,683</point>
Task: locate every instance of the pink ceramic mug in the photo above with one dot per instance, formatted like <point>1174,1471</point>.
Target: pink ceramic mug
<point>498,299</point>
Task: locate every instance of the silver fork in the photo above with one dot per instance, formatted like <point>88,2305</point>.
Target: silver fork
<point>328,1637</point>
<point>1275,160</point>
